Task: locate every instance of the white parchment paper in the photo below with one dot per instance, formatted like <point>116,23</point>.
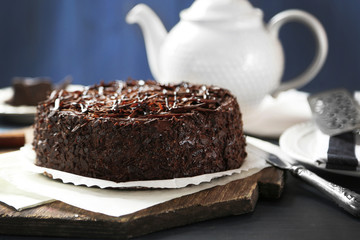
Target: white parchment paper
<point>113,202</point>
<point>65,177</point>
<point>10,194</point>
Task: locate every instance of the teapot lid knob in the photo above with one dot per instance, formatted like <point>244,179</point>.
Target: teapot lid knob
<point>213,10</point>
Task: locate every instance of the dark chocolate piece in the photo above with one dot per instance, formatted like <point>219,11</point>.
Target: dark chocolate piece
<point>140,131</point>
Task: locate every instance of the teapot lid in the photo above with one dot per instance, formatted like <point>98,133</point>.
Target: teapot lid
<point>211,10</point>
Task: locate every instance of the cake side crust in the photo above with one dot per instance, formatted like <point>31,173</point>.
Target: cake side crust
<point>117,149</point>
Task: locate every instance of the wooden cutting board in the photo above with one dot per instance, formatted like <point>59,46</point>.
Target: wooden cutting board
<point>62,220</point>
<point>13,138</point>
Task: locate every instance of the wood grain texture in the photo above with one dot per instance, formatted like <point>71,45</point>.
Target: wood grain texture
<point>62,220</point>
<point>14,139</point>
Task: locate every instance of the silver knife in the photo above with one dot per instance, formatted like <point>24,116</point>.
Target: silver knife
<point>346,199</point>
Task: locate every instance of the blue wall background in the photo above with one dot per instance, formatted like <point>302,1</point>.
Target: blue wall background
<point>91,41</point>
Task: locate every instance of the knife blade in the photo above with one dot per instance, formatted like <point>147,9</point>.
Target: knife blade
<point>346,199</point>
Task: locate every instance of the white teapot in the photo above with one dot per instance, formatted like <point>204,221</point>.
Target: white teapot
<point>227,44</point>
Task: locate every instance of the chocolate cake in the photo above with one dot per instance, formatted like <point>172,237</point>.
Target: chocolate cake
<point>137,130</point>
<point>29,91</point>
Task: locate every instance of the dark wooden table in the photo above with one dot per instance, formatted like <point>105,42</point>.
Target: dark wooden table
<point>301,213</point>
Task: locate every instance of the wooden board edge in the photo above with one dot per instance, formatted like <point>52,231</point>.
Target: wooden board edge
<point>269,183</point>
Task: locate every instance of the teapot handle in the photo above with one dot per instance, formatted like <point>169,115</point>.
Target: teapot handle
<point>321,45</point>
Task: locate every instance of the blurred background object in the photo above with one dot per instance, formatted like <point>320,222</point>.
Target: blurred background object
<point>91,40</point>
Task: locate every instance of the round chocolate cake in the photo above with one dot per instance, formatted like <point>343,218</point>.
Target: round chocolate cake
<point>137,130</point>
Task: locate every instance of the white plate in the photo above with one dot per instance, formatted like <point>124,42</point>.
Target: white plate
<point>20,114</point>
<point>15,114</point>
<point>275,115</point>
<point>301,142</point>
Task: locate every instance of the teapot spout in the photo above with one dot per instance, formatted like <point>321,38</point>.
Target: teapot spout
<point>154,33</point>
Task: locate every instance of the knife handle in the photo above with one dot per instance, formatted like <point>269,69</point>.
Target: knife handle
<point>348,200</point>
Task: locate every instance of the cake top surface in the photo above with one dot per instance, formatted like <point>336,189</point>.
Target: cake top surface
<point>137,99</point>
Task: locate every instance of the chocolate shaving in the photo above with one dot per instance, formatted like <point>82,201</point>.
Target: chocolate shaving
<point>134,99</point>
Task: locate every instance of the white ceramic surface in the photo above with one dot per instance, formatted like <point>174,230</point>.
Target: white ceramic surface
<point>227,44</point>
<point>20,114</point>
<point>302,143</point>
<point>275,115</point>
<point>15,114</point>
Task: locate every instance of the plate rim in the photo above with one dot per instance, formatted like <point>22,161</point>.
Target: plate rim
<point>28,111</point>
<point>295,133</point>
